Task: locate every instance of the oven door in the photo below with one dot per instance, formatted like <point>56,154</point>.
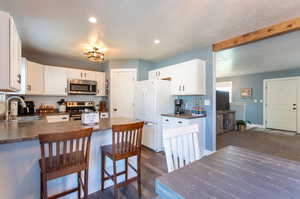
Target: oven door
<point>82,87</point>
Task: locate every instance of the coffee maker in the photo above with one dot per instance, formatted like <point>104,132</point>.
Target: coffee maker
<point>29,110</point>
<point>179,106</point>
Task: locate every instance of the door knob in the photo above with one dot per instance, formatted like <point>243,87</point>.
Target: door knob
<point>115,109</point>
<point>294,109</point>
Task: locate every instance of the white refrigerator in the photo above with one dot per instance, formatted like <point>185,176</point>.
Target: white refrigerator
<point>152,98</point>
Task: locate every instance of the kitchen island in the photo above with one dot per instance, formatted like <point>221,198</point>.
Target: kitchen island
<point>20,152</point>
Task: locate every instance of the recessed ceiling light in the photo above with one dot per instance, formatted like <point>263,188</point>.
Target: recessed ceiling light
<point>92,20</point>
<point>156,41</point>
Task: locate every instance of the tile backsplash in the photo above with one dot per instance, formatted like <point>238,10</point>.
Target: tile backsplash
<point>192,101</point>
<point>52,100</point>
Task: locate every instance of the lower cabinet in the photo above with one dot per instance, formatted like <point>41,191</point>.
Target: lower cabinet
<point>173,122</point>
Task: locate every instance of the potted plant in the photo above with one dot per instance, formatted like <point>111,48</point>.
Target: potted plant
<point>241,125</point>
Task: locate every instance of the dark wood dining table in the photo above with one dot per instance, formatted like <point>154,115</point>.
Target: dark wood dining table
<point>233,173</point>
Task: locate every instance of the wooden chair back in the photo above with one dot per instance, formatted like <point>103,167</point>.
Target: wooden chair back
<point>62,150</point>
<point>181,146</point>
<point>127,138</point>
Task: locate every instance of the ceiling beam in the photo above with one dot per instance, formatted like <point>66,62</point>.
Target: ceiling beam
<point>270,31</point>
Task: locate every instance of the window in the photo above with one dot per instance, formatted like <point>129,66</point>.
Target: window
<point>225,86</point>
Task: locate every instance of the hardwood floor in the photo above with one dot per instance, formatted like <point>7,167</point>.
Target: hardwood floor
<point>282,145</point>
<point>153,165</point>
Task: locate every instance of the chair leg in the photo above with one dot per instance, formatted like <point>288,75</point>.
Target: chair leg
<point>41,179</point>
<point>44,188</point>
<point>102,171</point>
<point>126,168</point>
<point>139,175</point>
<point>86,183</point>
<point>79,185</point>
<point>115,180</point>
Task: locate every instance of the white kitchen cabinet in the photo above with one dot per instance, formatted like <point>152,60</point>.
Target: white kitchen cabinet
<point>10,54</point>
<point>89,75</point>
<point>81,74</point>
<point>187,78</point>
<point>162,73</point>
<point>55,81</point>
<point>75,73</point>
<point>35,78</point>
<point>173,122</point>
<point>100,78</point>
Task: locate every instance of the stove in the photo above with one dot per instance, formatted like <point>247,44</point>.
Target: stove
<point>76,108</point>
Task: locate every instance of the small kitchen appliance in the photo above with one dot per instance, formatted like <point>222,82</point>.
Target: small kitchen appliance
<point>28,110</point>
<point>82,87</point>
<point>179,106</point>
<point>76,108</point>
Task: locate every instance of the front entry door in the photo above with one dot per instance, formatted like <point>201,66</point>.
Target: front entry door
<point>122,93</point>
<point>281,104</point>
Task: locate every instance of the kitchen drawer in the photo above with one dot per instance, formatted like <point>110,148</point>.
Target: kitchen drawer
<point>174,122</point>
<point>57,118</point>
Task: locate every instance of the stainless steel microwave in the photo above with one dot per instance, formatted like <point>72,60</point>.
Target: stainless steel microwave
<point>82,87</point>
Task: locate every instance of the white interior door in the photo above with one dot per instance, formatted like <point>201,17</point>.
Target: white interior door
<point>122,93</point>
<point>281,104</point>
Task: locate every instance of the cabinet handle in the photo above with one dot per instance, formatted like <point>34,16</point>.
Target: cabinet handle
<point>97,91</point>
<point>29,87</point>
<point>84,74</point>
<point>183,87</point>
<point>19,78</point>
<point>179,88</point>
<point>179,122</point>
<point>166,120</point>
<point>80,74</point>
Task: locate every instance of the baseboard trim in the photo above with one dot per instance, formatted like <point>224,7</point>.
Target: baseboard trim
<point>255,126</point>
<point>208,152</point>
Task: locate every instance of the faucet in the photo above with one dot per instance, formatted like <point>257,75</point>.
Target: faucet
<point>7,113</point>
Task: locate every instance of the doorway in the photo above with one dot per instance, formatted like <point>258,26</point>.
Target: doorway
<point>122,88</point>
<point>280,104</point>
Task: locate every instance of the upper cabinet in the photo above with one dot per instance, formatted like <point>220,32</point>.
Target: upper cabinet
<point>35,78</point>
<point>100,78</point>
<point>187,78</point>
<point>55,82</point>
<point>163,73</point>
<point>81,74</point>
<point>10,54</point>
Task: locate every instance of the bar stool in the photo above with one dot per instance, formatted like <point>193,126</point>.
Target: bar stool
<point>63,154</point>
<point>127,141</point>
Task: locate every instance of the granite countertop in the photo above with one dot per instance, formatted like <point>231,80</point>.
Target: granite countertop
<point>14,131</point>
<point>184,116</point>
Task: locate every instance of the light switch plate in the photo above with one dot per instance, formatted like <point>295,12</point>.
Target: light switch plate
<point>2,97</point>
<point>207,102</point>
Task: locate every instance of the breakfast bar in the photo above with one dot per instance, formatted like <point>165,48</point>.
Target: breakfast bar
<point>20,153</point>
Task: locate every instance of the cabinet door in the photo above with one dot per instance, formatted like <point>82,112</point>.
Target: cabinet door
<point>55,81</point>
<point>193,78</point>
<point>165,73</point>
<point>176,82</point>
<point>152,74</point>
<point>75,74</point>
<point>35,79</point>
<point>89,75</point>
<point>100,78</point>
<point>15,56</point>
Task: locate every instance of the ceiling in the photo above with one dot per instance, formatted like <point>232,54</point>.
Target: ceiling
<point>127,28</point>
<point>274,54</point>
